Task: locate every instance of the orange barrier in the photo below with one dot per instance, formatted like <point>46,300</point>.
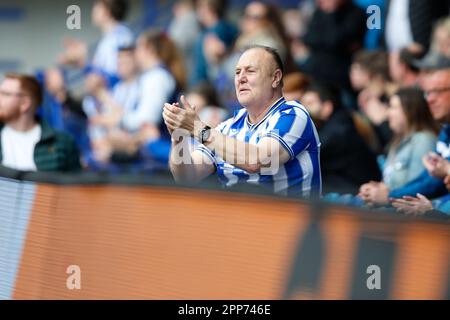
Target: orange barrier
<point>173,243</point>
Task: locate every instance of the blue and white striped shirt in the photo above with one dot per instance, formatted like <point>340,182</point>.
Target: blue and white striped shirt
<point>107,51</point>
<point>290,124</point>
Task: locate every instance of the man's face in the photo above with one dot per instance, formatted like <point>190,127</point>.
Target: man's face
<point>126,64</point>
<point>313,104</point>
<point>359,77</point>
<point>98,13</point>
<point>329,6</point>
<point>436,86</point>
<point>11,98</point>
<point>254,77</point>
<point>254,17</point>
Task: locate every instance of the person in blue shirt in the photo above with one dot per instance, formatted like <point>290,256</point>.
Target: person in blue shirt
<point>217,37</point>
<point>420,205</point>
<point>436,85</point>
<point>270,142</point>
<point>108,16</point>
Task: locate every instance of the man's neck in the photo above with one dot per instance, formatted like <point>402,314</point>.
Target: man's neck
<point>22,124</point>
<point>256,114</point>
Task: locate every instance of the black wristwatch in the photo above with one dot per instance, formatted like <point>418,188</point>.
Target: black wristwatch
<point>204,134</point>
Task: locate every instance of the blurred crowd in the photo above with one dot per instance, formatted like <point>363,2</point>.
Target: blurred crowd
<point>380,98</point>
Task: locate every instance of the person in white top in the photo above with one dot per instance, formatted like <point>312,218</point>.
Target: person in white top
<point>21,132</point>
<point>107,15</point>
<point>398,27</point>
<point>162,75</point>
<point>26,143</point>
<point>124,98</point>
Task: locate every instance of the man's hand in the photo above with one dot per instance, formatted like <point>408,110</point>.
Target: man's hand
<point>109,120</point>
<point>185,117</point>
<point>436,166</point>
<point>374,193</point>
<point>413,205</point>
<point>213,48</point>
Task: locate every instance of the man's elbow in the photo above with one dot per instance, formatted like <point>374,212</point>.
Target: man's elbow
<point>185,177</point>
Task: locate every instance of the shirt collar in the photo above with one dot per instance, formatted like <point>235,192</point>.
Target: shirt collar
<point>274,106</point>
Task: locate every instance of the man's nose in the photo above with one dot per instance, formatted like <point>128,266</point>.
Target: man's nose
<point>430,98</point>
<point>242,77</point>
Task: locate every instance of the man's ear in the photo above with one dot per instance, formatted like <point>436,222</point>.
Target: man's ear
<point>26,104</point>
<point>277,78</point>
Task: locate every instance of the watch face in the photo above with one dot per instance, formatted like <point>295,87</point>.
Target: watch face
<point>205,134</point>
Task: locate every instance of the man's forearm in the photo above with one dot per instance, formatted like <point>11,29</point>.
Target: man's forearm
<point>428,186</point>
<point>246,156</point>
<point>180,170</point>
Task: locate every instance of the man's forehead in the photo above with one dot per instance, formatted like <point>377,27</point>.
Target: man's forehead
<point>254,57</point>
<point>8,82</point>
<point>247,64</point>
<point>438,77</point>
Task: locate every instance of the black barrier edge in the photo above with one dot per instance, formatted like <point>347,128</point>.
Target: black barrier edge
<point>169,309</point>
<point>164,179</point>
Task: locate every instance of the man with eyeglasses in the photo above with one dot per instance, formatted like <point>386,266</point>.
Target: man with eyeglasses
<point>26,142</point>
<point>436,86</point>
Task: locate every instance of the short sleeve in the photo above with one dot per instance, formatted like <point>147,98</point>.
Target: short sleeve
<point>293,129</point>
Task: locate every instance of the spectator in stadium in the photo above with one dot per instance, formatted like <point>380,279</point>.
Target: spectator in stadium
<point>61,110</point>
<point>184,29</point>
<point>402,67</point>
<point>409,23</point>
<point>123,99</point>
<point>334,33</point>
<point>346,160</point>
<point>204,98</point>
<point>414,136</point>
<point>27,143</point>
<point>440,46</point>
<point>108,16</point>
<point>295,84</point>
<point>420,205</point>
<point>436,85</point>
<point>295,21</point>
<point>214,42</point>
<point>441,37</point>
<point>142,128</point>
<point>270,142</point>
<point>262,24</point>
<point>369,75</point>
<point>163,77</point>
